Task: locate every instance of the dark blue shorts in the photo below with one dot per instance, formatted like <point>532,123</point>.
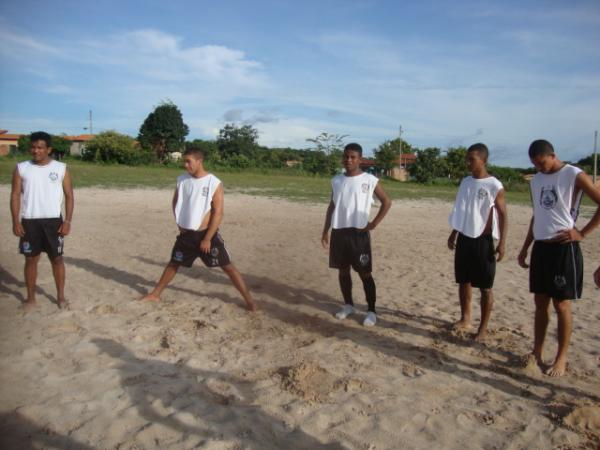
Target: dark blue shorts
<point>350,247</point>
<point>475,261</point>
<point>187,249</point>
<point>41,235</point>
<point>556,270</point>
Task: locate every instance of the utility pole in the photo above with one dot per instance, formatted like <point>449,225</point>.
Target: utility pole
<point>90,127</point>
<point>595,155</point>
<point>400,143</point>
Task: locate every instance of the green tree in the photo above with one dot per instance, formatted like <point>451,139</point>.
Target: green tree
<point>456,163</point>
<point>328,143</point>
<point>386,155</point>
<point>318,162</point>
<point>234,140</point>
<point>428,165</point>
<point>113,147</point>
<point>163,131</point>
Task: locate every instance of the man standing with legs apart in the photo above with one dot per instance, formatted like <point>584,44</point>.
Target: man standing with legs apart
<point>479,216</point>
<point>38,189</point>
<point>198,208</point>
<point>556,271</point>
<point>348,214</point>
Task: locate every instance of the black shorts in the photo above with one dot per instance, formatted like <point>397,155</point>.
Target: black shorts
<point>187,249</point>
<point>350,247</point>
<point>41,235</point>
<point>475,261</point>
<point>556,270</point>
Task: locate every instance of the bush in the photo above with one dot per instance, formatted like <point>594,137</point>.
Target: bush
<point>113,147</point>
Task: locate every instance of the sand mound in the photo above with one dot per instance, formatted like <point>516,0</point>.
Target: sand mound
<point>584,418</point>
<point>307,381</point>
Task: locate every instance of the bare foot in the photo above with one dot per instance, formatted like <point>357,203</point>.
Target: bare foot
<point>531,360</point>
<point>557,369</point>
<point>462,325</point>
<point>150,298</point>
<point>28,305</point>
<point>251,306</point>
<point>62,304</point>
<point>481,336</point>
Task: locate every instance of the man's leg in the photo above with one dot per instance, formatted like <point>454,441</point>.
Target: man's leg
<point>487,302</point>
<point>58,270</point>
<point>345,281</point>
<point>542,301</point>
<point>166,277</point>
<point>464,296</point>
<point>564,329</point>
<point>30,270</point>
<point>237,280</point>
<point>371,296</point>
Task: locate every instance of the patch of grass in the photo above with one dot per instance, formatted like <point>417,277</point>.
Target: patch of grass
<point>274,183</point>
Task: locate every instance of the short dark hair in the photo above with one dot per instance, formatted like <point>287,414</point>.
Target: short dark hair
<point>480,148</point>
<point>540,147</point>
<point>354,147</point>
<point>41,136</point>
<point>194,151</point>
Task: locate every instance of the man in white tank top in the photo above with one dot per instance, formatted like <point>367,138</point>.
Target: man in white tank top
<point>556,271</point>
<point>348,215</point>
<point>198,208</point>
<point>38,188</point>
<point>478,217</point>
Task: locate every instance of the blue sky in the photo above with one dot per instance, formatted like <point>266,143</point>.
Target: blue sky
<point>451,73</point>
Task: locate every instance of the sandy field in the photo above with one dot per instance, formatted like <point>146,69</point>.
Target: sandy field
<point>199,372</point>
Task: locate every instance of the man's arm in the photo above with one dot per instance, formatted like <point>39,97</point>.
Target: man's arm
<point>216,215</point>
<point>584,183</point>
<point>15,203</point>
<point>67,185</point>
<point>386,204</point>
<point>528,240</point>
<point>502,222</point>
<point>452,240</point>
<point>327,226</point>
<point>174,200</point>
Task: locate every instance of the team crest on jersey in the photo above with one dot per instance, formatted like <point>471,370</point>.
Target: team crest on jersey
<point>178,256</point>
<point>364,259</point>
<point>365,188</point>
<point>205,191</point>
<point>482,193</point>
<point>214,252</point>
<point>26,247</point>
<point>53,176</point>
<point>548,197</point>
<point>560,282</point>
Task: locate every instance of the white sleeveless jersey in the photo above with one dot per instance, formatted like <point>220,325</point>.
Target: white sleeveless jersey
<point>555,202</point>
<point>475,201</point>
<point>352,197</point>
<point>194,198</point>
<point>42,189</point>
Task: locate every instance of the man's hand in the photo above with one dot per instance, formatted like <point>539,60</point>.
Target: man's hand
<point>205,245</point>
<point>522,259</point>
<point>566,236</point>
<point>452,241</point>
<point>325,239</point>
<point>500,251</point>
<point>64,229</point>
<point>18,229</point>
<point>369,227</point>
